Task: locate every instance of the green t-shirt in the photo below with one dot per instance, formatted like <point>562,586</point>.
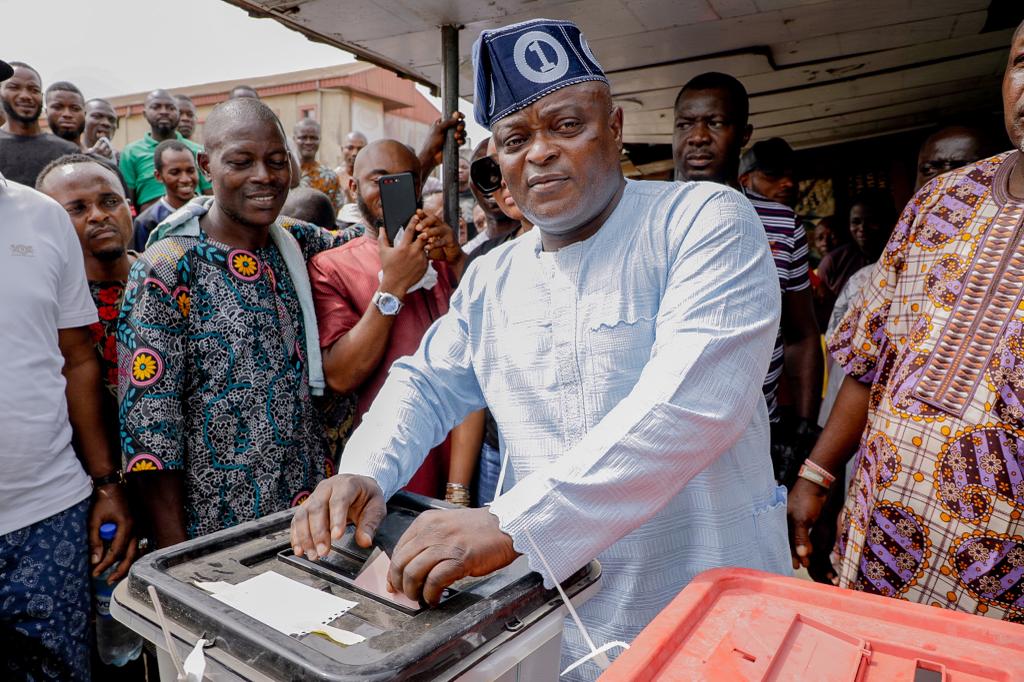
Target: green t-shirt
<point>137,168</point>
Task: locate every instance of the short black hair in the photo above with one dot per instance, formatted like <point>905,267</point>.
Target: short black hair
<point>15,65</point>
<point>64,86</point>
<point>730,85</point>
<point>310,206</point>
<point>66,160</point>
<point>165,146</point>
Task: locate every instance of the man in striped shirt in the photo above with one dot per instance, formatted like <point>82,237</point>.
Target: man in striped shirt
<point>711,129</point>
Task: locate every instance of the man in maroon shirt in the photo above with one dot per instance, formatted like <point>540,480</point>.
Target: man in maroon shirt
<point>375,301</point>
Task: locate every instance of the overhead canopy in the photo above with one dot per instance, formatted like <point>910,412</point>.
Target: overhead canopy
<point>818,71</point>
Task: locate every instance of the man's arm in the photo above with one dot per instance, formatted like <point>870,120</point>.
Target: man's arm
<point>430,155</point>
<point>352,358</point>
<point>85,400</point>
<point>150,345</point>
<point>804,362</point>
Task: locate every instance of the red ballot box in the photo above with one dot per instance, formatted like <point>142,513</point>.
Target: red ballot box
<point>740,625</point>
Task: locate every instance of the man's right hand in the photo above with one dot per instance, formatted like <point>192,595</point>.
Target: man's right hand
<point>404,263</point>
<point>336,502</point>
<point>803,509</point>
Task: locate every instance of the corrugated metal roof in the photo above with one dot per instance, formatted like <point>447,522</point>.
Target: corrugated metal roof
<point>819,71</point>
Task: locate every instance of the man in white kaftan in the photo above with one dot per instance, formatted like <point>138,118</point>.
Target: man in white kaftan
<point>622,362</point>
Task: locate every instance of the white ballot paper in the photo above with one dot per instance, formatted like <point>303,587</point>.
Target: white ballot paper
<point>284,604</point>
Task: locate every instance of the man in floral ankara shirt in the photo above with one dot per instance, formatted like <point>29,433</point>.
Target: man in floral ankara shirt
<point>216,371</point>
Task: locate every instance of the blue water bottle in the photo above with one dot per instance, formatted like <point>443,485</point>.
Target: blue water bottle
<point>115,643</point>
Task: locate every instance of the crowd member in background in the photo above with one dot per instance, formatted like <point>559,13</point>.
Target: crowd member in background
<point>223,293</point>
<point>947,149</point>
<point>375,301</point>
<point>243,91</point>
<point>174,167</point>
<point>872,216</point>
<point>433,202</point>
<point>635,436</point>
<point>316,175</point>
<point>65,111</point>
<point>934,510</point>
<point>354,142</point>
<point>767,169</point>
<point>136,164</point>
<point>711,128</point>
<point>186,116</point>
<point>51,511</point>
<point>466,199</point>
<point>100,126</point>
<point>24,148</point>
<point>310,205</point>
<point>479,220</point>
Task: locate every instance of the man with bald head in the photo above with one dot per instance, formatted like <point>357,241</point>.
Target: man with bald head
<point>354,142</point>
<point>620,345</point>
<point>314,174</point>
<point>933,398</point>
<point>376,300</point>
<point>218,342</point>
<point>136,163</point>
<point>24,148</point>
<point>947,149</point>
<point>100,126</point>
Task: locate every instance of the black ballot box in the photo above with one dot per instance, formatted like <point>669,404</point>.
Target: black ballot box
<point>504,626</point>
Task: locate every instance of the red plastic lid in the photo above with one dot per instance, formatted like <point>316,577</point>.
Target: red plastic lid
<point>740,625</point>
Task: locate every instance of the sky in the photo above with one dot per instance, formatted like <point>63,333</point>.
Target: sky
<point>116,47</point>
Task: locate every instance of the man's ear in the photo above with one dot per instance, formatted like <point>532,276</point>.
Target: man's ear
<point>615,122</point>
<point>745,180</point>
<point>353,186</point>
<point>747,132</point>
<point>203,159</point>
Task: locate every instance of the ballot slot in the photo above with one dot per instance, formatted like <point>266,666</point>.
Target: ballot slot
<point>346,559</point>
<point>337,568</point>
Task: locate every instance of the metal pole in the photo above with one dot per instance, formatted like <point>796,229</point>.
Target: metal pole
<point>450,103</point>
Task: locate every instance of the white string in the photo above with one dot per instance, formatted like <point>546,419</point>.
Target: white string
<point>596,654</point>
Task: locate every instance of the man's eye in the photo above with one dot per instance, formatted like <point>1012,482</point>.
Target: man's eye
<point>111,202</point>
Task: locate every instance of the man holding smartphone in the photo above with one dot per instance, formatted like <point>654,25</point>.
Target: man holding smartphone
<point>375,300</point>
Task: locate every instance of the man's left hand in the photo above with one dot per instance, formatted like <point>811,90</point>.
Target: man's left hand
<point>110,505</point>
<point>440,239</point>
<point>441,547</point>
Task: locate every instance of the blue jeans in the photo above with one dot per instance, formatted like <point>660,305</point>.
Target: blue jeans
<point>44,599</point>
<point>487,475</point>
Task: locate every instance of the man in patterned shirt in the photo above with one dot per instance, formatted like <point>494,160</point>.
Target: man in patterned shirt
<point>933,349</point>
<point>711,127</point>
<point>315,174</point>
<point>217,343</point>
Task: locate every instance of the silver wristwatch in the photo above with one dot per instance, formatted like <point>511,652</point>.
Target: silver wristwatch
<point>386,303</point>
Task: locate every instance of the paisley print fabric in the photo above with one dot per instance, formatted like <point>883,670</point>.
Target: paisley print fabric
<point>213,379</point>
<point>318,176</point>
<point>44,599</point>
<point>933,513</point>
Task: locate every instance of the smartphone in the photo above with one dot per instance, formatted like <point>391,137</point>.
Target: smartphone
<point>397,201</point>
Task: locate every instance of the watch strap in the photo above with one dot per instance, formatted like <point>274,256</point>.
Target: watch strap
<point>116,477</point>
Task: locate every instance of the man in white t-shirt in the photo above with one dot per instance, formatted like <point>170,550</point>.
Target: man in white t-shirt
<point>50,510</point>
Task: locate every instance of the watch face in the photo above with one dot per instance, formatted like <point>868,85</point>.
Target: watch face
<point>387,304</point>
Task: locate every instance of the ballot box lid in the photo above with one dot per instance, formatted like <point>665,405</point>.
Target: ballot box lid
<point>400,643</point>
<point>740,625</point>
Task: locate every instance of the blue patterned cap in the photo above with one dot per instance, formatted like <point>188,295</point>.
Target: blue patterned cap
<point>517,65</point>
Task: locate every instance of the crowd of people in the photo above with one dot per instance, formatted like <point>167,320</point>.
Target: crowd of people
<point>198,335</point>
